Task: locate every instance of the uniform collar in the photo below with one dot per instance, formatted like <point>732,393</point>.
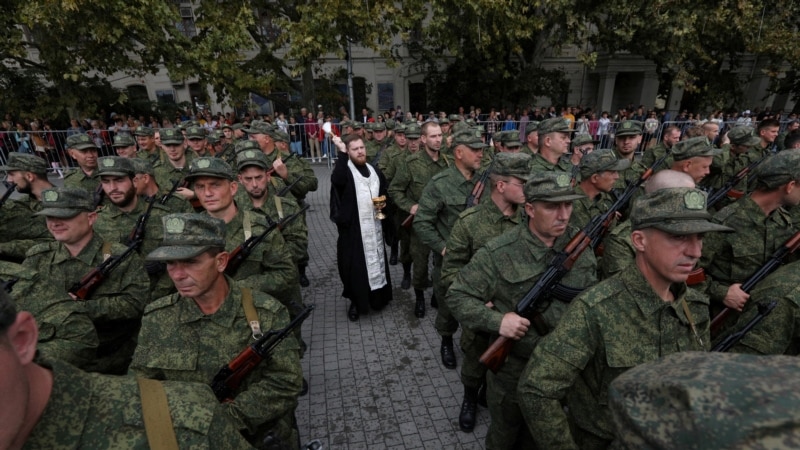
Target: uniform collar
<point>224,316</point>
<point>86,255</point>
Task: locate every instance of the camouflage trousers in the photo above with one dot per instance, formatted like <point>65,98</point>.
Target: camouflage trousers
<point>507,428</point>
<point>404,236</point>
<point>419,254</point>
<point>473,345</point>
<point>445,324</point>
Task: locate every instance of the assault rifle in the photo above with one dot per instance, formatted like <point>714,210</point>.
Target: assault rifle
<point>285,190</point>
<point>764,309</point>
<point>10,187</point>
<point>789,247</point>
<point>230,376</point>
<point>407,222</point>
<point>137,234</point>
<point>8,285</point>
<point>97,196</point>
<point>475,196</point>
<point>89,282</point>
<point>272,169</point>
<point>548,283</point>
<point>240,253</point>
<point>175,185</point>
<point>722,192</point>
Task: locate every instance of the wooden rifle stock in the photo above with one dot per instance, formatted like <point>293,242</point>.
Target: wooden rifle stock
<point>728,188</point>
<point>88,283</point>
<point>137,234</point>
<point>407,222</point>
<point>477,191</point>
<point>790,246</point>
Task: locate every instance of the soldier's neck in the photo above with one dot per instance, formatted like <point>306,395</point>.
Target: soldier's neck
<point>40,381</point>
<point>211,301</point>
<point>76,248</point>
<point>226,214</point>
<point>432,153</point>
<point>507,208</point>
<point>768,201</point>
<point>38,186</point>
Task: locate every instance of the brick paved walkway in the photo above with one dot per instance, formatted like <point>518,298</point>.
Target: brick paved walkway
<point>377,383</point>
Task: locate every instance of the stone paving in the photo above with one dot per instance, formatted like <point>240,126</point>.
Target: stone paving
<point>377,383</point>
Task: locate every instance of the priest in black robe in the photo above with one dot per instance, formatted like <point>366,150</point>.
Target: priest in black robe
<point>360,250</point>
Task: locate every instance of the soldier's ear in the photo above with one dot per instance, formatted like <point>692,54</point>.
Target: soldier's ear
<point>639,240</point>
<point>23,335</point>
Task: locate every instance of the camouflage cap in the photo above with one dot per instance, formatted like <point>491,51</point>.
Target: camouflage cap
<point>629,128</point>
<point>214,137</point>
<point>708,401</point>
<point>252,158</point>
<point>369,126</point>
<point>693,147</point>
<point>123,140</point>
<point>346,123</point>
<point>115,166</point>
<point>81,141</point>
<point>399,128</point>
<point>554,125</point>
<point>237,126</point>
<point>459,126</point>
<point>260,127</point>
<point>581,139</point>
<point>510,138</point>
<point>677,211</point>
<point>142,165</point>
<point>551,187</point>
<point>532,126</point>
<point>241,146</point>
<point>498,136</point>
<point>454,118</point>
<point>8,311</point>
<point>515,165</point>
<point>25,162</point>
<point>378,126</point>
<point>210,167</point>
<point>65,202</point>
<point>227,125</point>
<point>444,120</point>
<point>470,138</point>
<point>390,124</point>
<point>280,136</point>
<point>142,130</point>
<point>188,235</point>
<point>744,136</point>
<point>171,136</point>
<point>356,125</point>
<point>600,161</point>
<point>778,170</point>
<point>195,133</point>
<point>413,131</point>
<point>471,122</point>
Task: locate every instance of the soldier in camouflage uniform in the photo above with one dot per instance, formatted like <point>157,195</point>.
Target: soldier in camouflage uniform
<point>19,228</point>
<point>269,268</point>
<point>742,151</point>
<point>762,225</point>
<point>472,230</point>
<point>669,137</point>
<point>694,156</point>
<point>509,142</point>
<point>553,145</point>
<point>49,403</point>
<point>289,172</point>
<point>124,145</point>
<point>83,150</point>
<point>632,318</point>
<point>175,161</point>
<point>196,140</point>
<point>406,190</point>
<point>190,335</point>
<point>442,200</point>
<point>627,138</point>
<point>117,219</point>
<point>531,146</point>
<point>376,148</point>
<point>599,170</point>
<point>148,148</point>
<point>117,303</point>
<point>147,186</point>
<point>707,402</point>
<point>501,273</point>
<point>388,162</point>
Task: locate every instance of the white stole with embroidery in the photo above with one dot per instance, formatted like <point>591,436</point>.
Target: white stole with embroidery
<point>371,231</point>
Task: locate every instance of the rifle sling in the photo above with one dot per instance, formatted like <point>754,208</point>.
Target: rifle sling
<point>155,412</point>
<point>247,225</point>
<point>106,250</point>
<point>250,312</point>
<point>278,206</point>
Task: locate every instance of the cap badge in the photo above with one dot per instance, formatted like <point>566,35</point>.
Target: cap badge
<point>174,225</point>
<point>694,200</point>
<point>203,163</point>
<point>51,196</point>
<point>562,180</point>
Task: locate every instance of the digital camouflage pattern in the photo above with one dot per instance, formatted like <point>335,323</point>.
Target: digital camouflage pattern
<point>115,307</point>
<point>610,328</point>
<point>692,148</point>
<point>585,208</point>
<point>297,167</point>
<point>179,342</point>
<point>601,160</point>
<point>705,401</point>
<point>631,174</point>
<point>65,331</point>
<point>20,229</point>
<point>98,411</point>
<point>24,162</point>
<point>166,173</point>
<point>732,257</point>
<point>79,179</point>
<point>618,251</point>
<point>539,164</point>
<point>779,332</point>
<point>502,272</point>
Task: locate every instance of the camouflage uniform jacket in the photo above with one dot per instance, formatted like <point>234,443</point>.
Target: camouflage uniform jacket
<point>412,176</point>
<point>584,209</point>
<point>779,332</point>
<point>502,272</point>
<point>472,230</point>
<point>65,331</point>
<point>730,258</point>
<point>295,233</point>
<point>88,410</point>
<point>296,167</point>
<point>166,173</point>
<point>630,174</point>
<point>618,250</point>
<point>374,147</point>
<point>19,228</point>
<point>78,178</point>
<point>269,268</point>
<point>154,157</point>
<point>116,225</point>
<point>653,154</point>
<point>608,329</point>
<point>179,342</point>
<point>539,164</point>
<point>387,161</point>
<point>228,154</point>
<point>442,200</point>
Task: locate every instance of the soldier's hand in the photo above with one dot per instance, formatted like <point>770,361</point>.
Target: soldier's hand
<point>187,194</point>
<point>736,298</point>
<point>444,251</point>
<point>280,168</point>
<point>414,210</point>
<point>514,326</point>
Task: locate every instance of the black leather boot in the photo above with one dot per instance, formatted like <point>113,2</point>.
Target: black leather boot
<point>434,302</point>
<point>419,308</point>
<point>406,283</point>
<point>469,410</point>
<point>482,394</point>
<point>352,313</point>
<point>448,354</point>
<point>303,279</point>
<point>393,255</point>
